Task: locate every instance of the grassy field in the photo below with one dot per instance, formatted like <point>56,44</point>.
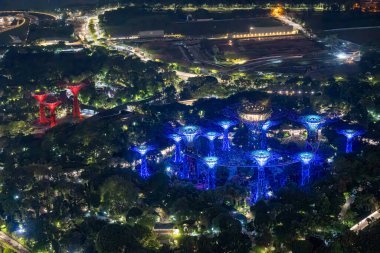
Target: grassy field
<point>190,28</point>
<point>132,20</point>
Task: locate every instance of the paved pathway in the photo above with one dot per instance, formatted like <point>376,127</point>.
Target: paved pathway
<point>12,243</point>
<point>364,222</point>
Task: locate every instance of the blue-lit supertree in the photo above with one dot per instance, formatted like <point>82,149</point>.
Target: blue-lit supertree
<point>312,124</point>
<point>211,136</point>
<point>190,133</point>
<point>254,115</point>
<point>350,135</point>
<point>264,129</point>
<point>211,162</point>
<point>226,125</point>
<point>261,157</point>
<point>143,150</point>
<point>177,158</point>
<point>305,158</point>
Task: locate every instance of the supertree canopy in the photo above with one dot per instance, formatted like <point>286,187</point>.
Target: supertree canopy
<point>350,135</point>
<point>143,150</point>
<point>177,158</point>
<point>254,115</point>
<point>261,157</point>
<point>312,123</point>
<point>75,89</point>
<point>226,125</point>
<point>305,158</point>
<point>211,162</point>
<point>211,136</point>
<point>189,132</point>
<point>52,103</point>
<point>40,96</point>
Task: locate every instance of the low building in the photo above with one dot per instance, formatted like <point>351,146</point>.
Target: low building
<point>164,228</point>
<point>283,30</point>
<point>151,34</point>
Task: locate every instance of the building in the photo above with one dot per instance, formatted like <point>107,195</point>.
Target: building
<point>164,228</point>
<point>270,31</point>
<point>151,34</point>
<point>370,5</point>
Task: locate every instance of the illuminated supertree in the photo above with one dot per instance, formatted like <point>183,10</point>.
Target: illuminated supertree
<point>261,157</point>
<point>75,89</point>
<point>143,150</point>
<point>211,136</point>
<point>211,162</point>
<point>264,129</point>
<point>312,124</point>
<point>52,103</point>
<point>226,125</point>
<point>350,135</point>
<point>41,97</point>
<point>254,116</point>
<point>190,133</point>
<point>177,158</point>
<point>305,158</point>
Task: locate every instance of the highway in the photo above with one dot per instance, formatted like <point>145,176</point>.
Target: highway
<point>364,222</point>
<point>12,243</point>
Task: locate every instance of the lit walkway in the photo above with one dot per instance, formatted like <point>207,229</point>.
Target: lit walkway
<point>364,222</point>
<point>12,243</point>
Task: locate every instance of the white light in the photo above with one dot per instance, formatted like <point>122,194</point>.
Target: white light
<point>342,56</point>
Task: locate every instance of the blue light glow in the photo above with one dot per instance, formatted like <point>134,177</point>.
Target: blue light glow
<point>306,157</point>
<point>261,156</point>
<point>211,161</point>
<point>313,121</point>
<point>175,137</point>
<point>212,135</point>
<point>349,133</point>
<point>226,124</point>
<point>189,132</point>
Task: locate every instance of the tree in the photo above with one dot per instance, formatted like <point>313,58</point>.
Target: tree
<point>118,195</point>
<point>115,238</point>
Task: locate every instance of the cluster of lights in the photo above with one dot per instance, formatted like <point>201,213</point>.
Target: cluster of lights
<point>256,35</point>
